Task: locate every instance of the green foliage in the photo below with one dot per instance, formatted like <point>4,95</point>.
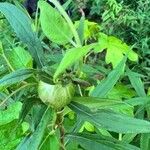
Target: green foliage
<point>53,24</point>
<point>72,55</point>
<point>90,29</point>
<point>110,120</point>
<point>100,142</point>
<point>10,114</point>
<point>38,134</point>
<point>19,58</point>
<point>106,85</point>
<point>12,134</point>
<point>79,82</point>
<point>10,131</point>
<point>116,49</point>
<point>22,25</point>
<point>16,77</point>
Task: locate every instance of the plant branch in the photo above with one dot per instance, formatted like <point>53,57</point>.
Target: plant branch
<point>59,122</point>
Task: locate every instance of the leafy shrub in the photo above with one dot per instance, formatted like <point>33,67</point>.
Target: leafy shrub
<point>67,85</point>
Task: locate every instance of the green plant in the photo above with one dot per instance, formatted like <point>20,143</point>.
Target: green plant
<point>56,93</point>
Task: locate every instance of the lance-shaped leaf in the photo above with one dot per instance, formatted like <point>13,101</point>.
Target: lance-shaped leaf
<point>33,142</point>
<point>99,142</point>
<point>72,56</point>
<point>106,85</point>
<point>136,82</point>
<point>22,26</point>
<point>110,120</point>
<point>16,77</point>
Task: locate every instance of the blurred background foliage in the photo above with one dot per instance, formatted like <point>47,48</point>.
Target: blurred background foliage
<point>126,20</point>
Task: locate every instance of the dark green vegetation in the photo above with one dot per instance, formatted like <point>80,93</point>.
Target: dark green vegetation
<point>75,82</point>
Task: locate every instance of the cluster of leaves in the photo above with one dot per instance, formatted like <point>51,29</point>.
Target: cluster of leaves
<point>128,21</point>
<point>107,106</point>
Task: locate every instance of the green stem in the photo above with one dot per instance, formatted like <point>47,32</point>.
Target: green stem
<point>80,91</point>
<point>60,119</point>
<point>120,136</point>
<point>8,63</point>
<point>43,142</point>
<point>22,87</point>
<point>70,23</point>
<point>36,21</point>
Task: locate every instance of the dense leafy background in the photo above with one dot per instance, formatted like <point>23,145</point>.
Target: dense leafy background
<point>103,48</point>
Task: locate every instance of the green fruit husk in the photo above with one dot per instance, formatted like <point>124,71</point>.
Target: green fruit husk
<point>56,96</point>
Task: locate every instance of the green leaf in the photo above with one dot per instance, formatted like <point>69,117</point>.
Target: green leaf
<point>116,49</point>
<point>53,24</point>
<point>72,56</point>
<point>121,91</point>
<point>98,103</point>
<point>136,83</point>
<point>99,142</point>
<point>22,26</point>
<point>80,29</point>
<point>106,85</point>
<point>28,103</point>
<point>88,126</point>
<point>51,142</point>
<point>11,134</point>
<point>16,77</point>
<point>19,58</point>
<point>35,139</point>
<point>110,120</point>
<point>90,29</point>
<point>148,93</point>
<point>11,113</point>
<point>1,48</point>
<point>103,103</point>
<point>137,101</point>
<point>145,141</point>
<point>129,137</point>
<point>125,106</point>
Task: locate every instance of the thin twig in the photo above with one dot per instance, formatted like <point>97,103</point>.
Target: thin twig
<point>14,92</point>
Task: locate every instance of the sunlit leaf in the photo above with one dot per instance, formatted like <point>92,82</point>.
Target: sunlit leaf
<point>116,49</point>
<point>11,113</point>
<point>19,58</point>
<point>90,29</point>
<point>11,132</point>
<point>53,24</point>
<point>121,91</point>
